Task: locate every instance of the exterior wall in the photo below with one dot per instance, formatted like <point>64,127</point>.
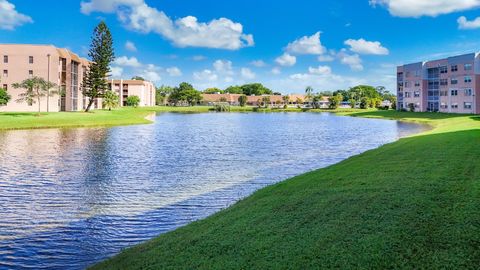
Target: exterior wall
<point>47,64</point>
<point>413,86</point>
<point>447,85</point>
<point>145,90</point>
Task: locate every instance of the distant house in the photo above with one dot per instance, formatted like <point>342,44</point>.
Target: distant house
<point>274,100</point>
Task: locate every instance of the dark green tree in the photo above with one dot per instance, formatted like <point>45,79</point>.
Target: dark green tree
<point>242,100</point>
<point>138,78</point>
<point>101,55</point>
<point>256,89</point>
<point>185,93</point>
<point>4,97</point>
<point>162,94</point>
<point>233,90</point>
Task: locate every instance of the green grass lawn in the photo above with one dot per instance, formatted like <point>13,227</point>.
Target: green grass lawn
<point>116,117</point>
<point>411,204</point>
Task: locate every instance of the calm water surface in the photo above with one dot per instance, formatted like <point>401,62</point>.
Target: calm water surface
<point>72,197</point>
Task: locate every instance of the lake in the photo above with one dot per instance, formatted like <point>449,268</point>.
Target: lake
<point>73,197</point>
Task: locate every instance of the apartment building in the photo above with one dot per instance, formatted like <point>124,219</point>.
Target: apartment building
<point>60,66</point>
<point>145,90</point>
<point>449,85</point>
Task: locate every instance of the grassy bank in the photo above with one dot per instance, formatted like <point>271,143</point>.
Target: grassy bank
<point>117,117</point>
<point>410,204</point>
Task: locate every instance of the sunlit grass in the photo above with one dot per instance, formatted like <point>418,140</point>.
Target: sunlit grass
<point>409,204</point>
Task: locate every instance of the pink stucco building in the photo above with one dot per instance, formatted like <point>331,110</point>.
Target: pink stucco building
<point>145,90</point>
<point>60,66</point>
<point>447,85</point>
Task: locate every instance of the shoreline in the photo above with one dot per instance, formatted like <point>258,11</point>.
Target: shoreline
<point>198,244</point>
<point>129,116</point>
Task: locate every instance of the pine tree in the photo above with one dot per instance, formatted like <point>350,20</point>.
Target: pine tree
<point>101,55</point>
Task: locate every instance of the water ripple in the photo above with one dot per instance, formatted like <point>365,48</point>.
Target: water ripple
<point>72,197</point>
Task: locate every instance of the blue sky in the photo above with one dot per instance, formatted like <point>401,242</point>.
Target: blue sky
<point>287,45</point>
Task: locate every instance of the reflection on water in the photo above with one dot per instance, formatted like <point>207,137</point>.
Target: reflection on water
<point>71,197</point>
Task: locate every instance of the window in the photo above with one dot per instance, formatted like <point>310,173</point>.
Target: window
<point>30,73</point>
<point>417,73</point>
<point>467,67</point>
<point>417,83</point>
<point>453,81</point>
<point>454,68</point>
<point>468,92</point>
<point>454,93</point>
<point>30,59</point>
<point>5,59</point>
<point>407,94</point>
<point>407,84</point>
<point>416,94</point>
<point>467,79</point>
<point>443,105</point>
<point>443,81</point>
<point>467,105</point>
<point>5,73</point>
<point>5,86</point>
<point>443,69</point>
<point>443,93</point>
<point>454,105</point>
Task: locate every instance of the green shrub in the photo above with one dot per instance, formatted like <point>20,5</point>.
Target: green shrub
<point>133,101</point>
<point>364,103</point>
<point>222,107</point>
<point>411,107</point>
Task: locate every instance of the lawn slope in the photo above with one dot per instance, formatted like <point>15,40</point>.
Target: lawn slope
<point>410,204</point>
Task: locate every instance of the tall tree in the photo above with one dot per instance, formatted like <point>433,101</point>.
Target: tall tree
<point>35,88</point>
<point>101,55</point>
<point>242,100</point>
<point>309,94</point>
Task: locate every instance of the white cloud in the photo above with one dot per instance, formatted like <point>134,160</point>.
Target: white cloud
<point>352,60</point>
<point>174,72</point>
<point>116,72</point>
<point>286,60</point>
<point>223,66</point>
<point>127,62</point>
<point>363,46</point>
<point>205,75</point>
<point>320,78</point>
<point>320,70</point>
<point>418,8</point>
<point>276,71</point>
<point>10,18</point>
<point>130,46</point>
<point>465,24</point>
<point>306,45</point>
<point>136,15</point>
<point>151,73</point>
<point>199,58</point>
<point>247,74</point>
<point>258,63</point>
<point>325,58</point>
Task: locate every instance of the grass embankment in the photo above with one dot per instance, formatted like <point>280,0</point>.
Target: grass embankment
<point>103,118</point>
<point>410,204</point>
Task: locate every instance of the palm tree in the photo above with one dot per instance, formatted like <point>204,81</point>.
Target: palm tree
<point>35,89</point>
<point>110,100</point>
<point>286,99</point>
<point>266,101</point>
<point>309,94</point>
